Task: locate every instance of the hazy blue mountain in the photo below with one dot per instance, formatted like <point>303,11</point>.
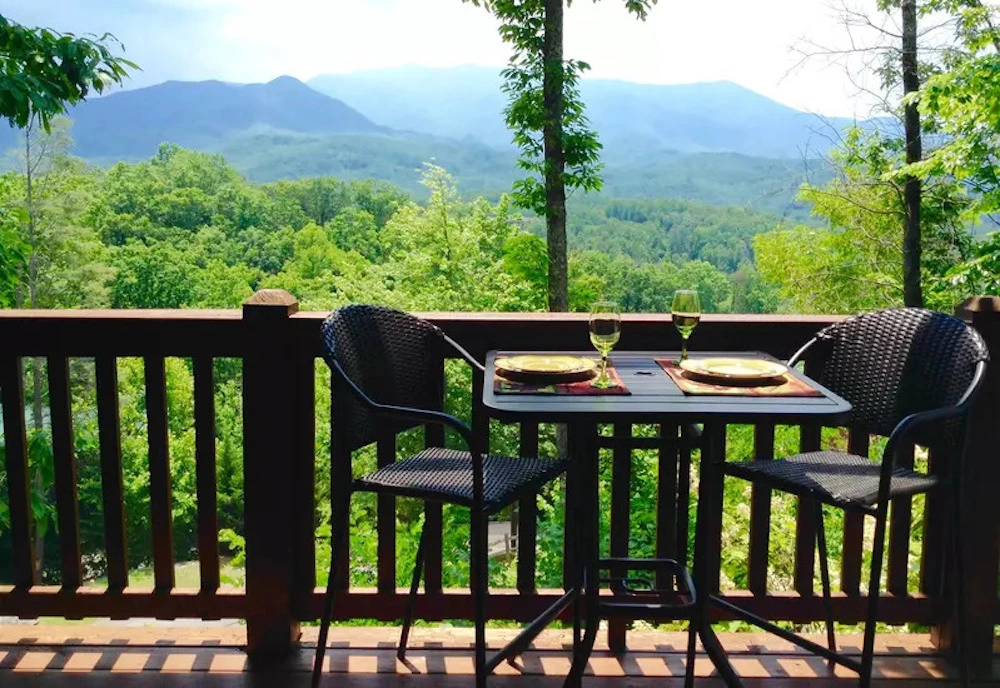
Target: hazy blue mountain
<point>285,129</point>
<point>131,124</point>
<point>633,119</point>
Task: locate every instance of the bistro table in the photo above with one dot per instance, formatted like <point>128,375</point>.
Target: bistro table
<point>653,398</point>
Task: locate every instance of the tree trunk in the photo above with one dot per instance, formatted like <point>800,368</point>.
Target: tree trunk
<point>912,292</point>
<point>37,418</point>
<point>555,159</point>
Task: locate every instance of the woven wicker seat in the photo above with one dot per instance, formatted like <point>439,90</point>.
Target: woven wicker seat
<point>388,376</point>
<point>910,375</point>
<point>447,475</point>
<point>833,477</point>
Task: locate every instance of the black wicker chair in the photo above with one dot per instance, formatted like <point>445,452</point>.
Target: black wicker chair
<point>387,368</point>
<point>910,374</point>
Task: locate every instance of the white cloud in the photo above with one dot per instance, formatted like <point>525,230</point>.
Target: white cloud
<point>255,40</point>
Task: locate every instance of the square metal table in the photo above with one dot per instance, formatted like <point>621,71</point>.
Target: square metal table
<point>654,398</point>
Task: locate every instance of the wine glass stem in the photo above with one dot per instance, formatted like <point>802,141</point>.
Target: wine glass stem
<point>684,348</point>
<point>604,367</point>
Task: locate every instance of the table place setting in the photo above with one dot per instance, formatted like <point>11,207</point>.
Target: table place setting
<point>562,374</point>
<point>735,377</point>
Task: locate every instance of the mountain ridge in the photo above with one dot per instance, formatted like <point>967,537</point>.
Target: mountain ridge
<point>286,129</point>
<point>631,118</point>
<point>131,123</point>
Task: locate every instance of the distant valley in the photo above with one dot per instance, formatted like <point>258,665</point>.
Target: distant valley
<point>714,143</point>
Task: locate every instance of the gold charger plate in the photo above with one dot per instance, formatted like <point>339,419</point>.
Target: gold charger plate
<point>556,367</point>
<point>739,370</point>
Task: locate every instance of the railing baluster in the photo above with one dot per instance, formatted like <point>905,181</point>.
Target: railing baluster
<point>715,445</point>
<point>433,523</point>
<point>805,523</point>
<point>666,496</point>
<point>527,518</point>
<point>899,532</point>
<point>434,436</point>
<point>854,526</point>
<point>760,514</point>
<point>569,494</point>
<point>303,451</point>
<point>112,490</point>
<point>340,487</point>
<point>67,505</point>
<point>621,498</point>
<point>18,490</point>
<point>937,517</point>
<point>386,520</point>
<point>159,473</point>
<point>205,467</point>
<point>683,495</point>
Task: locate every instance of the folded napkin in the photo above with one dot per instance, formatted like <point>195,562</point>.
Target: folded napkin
<point>787,385</point>
<point>502,385</point>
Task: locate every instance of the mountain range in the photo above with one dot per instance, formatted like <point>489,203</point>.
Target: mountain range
<point>631,118</point>
<point>712,142</point>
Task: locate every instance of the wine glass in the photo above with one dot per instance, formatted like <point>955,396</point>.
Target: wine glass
<point>605,329</point>
<point>686,312</point>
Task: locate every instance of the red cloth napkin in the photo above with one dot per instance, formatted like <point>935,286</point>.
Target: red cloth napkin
<point>785,386</point>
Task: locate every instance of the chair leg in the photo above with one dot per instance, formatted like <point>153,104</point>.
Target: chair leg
<point>874,581</point>
<point>479,582</point>
<point>959,554</point>
<point>689,666</point>
<point>418,567</point>
<point>324,626</point>
<point>824,573</point>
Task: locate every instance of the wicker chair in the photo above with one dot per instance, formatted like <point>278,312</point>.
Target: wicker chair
<point>387,378</point>
<point>910,374</point>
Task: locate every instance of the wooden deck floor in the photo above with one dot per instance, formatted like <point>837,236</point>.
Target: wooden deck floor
<point>84,656</point>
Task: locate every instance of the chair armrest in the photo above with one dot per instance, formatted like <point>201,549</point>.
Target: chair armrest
<point>406,412</point>
<point>906,426</point>
<point>796,358</point>
<point>476,365</point>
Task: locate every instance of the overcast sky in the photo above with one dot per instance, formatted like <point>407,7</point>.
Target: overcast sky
<point>749,42</point>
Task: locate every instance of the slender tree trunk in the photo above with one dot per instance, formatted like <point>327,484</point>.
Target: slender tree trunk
<point>37,418</point>
<point>912,292</point>
<point>555,159</point>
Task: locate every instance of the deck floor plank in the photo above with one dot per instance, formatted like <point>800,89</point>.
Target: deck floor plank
<point>95,656</point>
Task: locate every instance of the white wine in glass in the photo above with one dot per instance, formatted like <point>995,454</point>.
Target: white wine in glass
<point>605,330</point>
<point>686,313</point>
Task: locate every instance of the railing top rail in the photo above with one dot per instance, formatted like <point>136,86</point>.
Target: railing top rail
<point>216,332</point>
<point>14,315</point>
<point>94,333</point>
<point>658,318</point>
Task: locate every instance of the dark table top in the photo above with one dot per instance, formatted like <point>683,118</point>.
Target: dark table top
<point>654,395</point>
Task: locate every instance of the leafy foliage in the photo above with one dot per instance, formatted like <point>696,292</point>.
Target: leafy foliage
<point>44,71</point>
<point>856,264</point>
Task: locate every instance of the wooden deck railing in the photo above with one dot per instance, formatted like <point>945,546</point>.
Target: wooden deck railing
<point>279,347</point>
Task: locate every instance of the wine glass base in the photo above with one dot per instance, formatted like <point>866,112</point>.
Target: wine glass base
<point>603,384</point>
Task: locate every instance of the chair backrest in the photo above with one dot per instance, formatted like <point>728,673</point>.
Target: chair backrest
<point>892,363</point>
<point>393,357</point>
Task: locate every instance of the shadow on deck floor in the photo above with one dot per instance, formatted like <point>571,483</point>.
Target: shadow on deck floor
<point>90,656</point>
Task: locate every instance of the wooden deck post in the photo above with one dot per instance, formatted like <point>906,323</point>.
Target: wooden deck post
<point>268,473</point>
<point>980,506</point>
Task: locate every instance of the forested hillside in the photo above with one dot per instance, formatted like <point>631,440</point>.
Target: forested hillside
<point>285,130</point>
<point>185,229</point>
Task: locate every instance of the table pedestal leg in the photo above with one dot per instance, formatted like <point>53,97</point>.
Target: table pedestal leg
<point>583,493</point>
<point>710,495</point>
